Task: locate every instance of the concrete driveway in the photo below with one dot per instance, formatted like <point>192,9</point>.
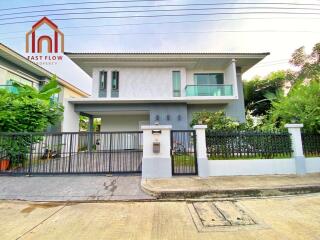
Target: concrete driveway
<point>71,188</point>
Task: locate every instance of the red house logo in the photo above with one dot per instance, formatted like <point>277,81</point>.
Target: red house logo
<point>37,42</point>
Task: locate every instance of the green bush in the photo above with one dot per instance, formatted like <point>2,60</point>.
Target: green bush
<point>215,120</point>
<point>301,105</point>
<point>26,110</point>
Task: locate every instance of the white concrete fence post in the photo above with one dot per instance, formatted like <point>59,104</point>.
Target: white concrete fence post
<point>300,161</point>
<point>156,164</point>
<point>203,164</point>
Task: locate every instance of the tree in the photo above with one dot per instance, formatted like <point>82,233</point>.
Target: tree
<point>214,120</point>
<point>257,92</point>
<point>84,124</point>
<point>301,105</point>
<point>28,109</point>
<point>309,64</point>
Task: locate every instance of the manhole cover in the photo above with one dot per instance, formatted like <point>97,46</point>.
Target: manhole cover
<point>225,215</point>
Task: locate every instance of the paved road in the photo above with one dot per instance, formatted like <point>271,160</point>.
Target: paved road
<point>278,218</point>
<point>71,188</point>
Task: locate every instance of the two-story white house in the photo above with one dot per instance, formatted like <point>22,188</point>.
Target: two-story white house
<point>134,89</point>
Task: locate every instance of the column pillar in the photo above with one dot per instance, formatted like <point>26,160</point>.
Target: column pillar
<point>156,160</point>
<point>300,161</point>
<point>71,118</point>
<point>90,127</point>
<point>202,158</point>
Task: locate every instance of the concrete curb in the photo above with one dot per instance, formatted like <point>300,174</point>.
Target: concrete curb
<point>229,193</point>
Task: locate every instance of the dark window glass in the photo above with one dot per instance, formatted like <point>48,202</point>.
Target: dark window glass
<point>208,78</point>
<point>176,83</point>
<point>115,80</point>
<point>103,84</point>
<point>115,84</point>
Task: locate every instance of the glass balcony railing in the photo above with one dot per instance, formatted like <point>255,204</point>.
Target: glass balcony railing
<point>209,90</point>
<point>9,88</point>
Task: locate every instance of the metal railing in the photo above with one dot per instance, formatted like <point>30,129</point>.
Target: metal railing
<point>311,144</point>
<point>9,88</point>
<point>78,152</point>
<point>184,152</point>
<point>209,90</point>
<point>248,145</point>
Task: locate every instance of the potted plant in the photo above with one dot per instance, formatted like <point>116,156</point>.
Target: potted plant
<point>4,164</point>
<point>14,151</point>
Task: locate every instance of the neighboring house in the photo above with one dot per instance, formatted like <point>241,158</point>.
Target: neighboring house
<point>134,89</point>
<point>16,68</point>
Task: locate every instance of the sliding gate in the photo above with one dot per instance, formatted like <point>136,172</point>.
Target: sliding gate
<point>184,152</point>
<point>70,153</point>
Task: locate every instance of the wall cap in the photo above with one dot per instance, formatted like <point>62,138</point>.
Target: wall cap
<point>151,127</point>
<point>200,127</point>
<point>294,125</point>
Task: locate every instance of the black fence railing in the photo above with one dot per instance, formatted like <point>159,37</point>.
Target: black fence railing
<point>311,144</point>
<point>184,152</point>
<point>248,145</point>
<point>80,152</point>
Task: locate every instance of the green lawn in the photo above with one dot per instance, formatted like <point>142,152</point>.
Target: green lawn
<point>184,160</point>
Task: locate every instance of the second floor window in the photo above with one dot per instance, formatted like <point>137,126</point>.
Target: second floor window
<point>176,83</point>
<point>115,84</point>
<point>208,78</point>
<point>103,84</point>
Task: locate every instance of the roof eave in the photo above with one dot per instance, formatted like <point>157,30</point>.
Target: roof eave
<point>73,55</point>
<point>40,71</point>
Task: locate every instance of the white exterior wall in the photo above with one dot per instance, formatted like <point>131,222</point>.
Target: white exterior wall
<point>153,82</point>
<point>230,77</point>
<point>122,122</point>
<point>70,122</point>
<point>137,83</point>
<point>95,83</point>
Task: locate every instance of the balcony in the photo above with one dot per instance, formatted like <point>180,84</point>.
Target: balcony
<point>9,88</point>
<point>209,90</point>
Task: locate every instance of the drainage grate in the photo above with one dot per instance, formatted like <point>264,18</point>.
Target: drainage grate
<point>226,215</point>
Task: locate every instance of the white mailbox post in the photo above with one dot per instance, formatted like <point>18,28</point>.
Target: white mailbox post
<point>156,160</point>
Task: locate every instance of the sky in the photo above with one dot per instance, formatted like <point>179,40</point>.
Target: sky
<point>277,28</point>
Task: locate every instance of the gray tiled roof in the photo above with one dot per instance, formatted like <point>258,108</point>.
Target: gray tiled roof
<point>167,53</point>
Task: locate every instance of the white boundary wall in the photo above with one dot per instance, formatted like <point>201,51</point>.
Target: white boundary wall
<point>260,166</point>
<point>158,165</point>
<point>313,165</point>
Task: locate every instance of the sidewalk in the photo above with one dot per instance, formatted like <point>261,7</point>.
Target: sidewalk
<point>232,186</point>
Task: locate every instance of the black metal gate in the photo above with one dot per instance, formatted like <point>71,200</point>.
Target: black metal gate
<point>184,152</point>
<point>71,153</point>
